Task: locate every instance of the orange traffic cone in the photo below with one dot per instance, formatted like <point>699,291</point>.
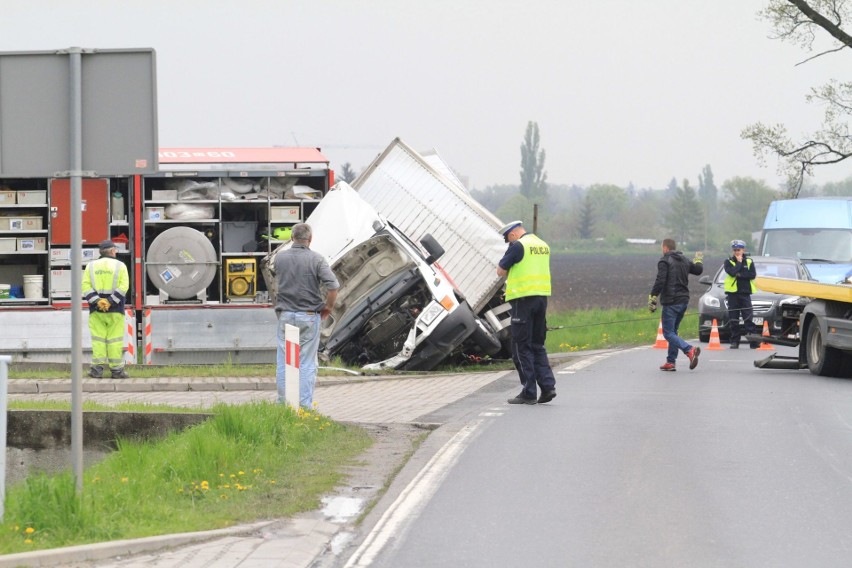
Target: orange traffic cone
<point>661,342</point>
<point>715,344</point>
<point>766,346</point>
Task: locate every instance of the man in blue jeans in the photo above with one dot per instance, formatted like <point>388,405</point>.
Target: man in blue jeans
<point>672,289</point>
<point>300,274</point>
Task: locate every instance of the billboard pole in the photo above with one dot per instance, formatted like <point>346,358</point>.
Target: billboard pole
<point>76,173</point>
<point>120,138</point>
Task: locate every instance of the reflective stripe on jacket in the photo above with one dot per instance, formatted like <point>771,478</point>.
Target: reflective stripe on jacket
<point>530,276</point>
<point>106,277</point>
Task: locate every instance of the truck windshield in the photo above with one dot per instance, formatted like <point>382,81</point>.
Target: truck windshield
<point>831,245</point>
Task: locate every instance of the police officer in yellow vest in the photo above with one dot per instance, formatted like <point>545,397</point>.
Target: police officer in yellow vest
<point>739,286</point>
<point>526,263</point>
<point>105,285</point>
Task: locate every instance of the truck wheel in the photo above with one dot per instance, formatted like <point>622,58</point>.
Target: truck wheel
<point>822,360</point>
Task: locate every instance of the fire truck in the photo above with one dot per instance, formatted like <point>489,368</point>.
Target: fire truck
<point>192,236</point>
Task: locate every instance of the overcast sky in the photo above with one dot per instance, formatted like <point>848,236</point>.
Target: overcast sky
<point>622,90</point>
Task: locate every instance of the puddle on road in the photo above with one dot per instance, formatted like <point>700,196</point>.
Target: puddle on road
<point>342,509</point>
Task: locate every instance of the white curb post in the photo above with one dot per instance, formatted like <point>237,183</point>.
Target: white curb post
<point>4,389</point>
<point>291,365</point>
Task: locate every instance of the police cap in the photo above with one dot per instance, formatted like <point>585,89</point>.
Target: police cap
<point>507,228</point>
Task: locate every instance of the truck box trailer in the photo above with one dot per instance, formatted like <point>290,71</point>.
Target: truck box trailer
<point>420,195</point>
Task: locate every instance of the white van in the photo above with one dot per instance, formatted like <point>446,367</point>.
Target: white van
<point>817,231</point>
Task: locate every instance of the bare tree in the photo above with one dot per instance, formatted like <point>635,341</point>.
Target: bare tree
<point>347,174</point>
<point>801,22</point>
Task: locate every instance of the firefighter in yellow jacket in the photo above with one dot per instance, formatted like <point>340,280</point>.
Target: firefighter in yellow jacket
<point>526,264</point>
<point>105,285</point>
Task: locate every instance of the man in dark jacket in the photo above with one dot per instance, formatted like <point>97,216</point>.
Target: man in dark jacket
<point>739,286</point>
<point>672,289</point>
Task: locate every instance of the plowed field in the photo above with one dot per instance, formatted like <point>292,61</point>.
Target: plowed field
<point>603,281</point>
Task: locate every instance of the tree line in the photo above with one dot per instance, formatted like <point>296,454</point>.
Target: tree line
<point>700,217</point>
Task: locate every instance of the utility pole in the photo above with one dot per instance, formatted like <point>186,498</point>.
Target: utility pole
<point>535,218</point>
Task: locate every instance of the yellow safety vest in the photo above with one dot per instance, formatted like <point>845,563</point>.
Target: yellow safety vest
<point>531,276</point>
<point>106,277</point>
<point>731,281</point>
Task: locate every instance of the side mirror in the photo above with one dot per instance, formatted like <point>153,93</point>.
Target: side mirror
<point>435,250</point>
<point>706,280</point>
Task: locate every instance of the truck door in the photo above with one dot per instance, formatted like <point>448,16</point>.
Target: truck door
<point>95,211</point>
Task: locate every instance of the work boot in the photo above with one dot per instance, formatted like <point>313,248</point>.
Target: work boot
<point>96,372</point>
<point>119,374</point>
<point>547,396</point>
<point>668,367</point>
<point>520,399</point>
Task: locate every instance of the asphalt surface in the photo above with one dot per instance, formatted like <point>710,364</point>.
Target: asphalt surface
<point>285,543</point>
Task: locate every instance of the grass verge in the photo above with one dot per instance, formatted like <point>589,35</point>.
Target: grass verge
<point>247,463</point>
<point>607,329</point>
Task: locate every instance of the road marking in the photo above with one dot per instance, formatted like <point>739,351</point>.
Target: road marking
<point>583,363</point>
<point>413,497</point>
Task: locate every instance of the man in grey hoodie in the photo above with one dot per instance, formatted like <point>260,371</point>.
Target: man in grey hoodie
<point>672,289</point>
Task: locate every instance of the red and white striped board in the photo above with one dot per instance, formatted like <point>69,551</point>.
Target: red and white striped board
<point>129,337</point>
<point>146,337</point>
<point>291,365</point>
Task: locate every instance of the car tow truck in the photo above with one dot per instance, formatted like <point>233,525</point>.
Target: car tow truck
<point>825,327</point>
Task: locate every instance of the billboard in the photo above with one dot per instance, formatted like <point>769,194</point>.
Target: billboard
<point>118,104</point>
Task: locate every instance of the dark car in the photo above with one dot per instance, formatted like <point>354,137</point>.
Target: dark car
<point>712,305</point>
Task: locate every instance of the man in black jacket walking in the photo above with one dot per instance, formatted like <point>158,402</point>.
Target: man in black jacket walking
<point>672,289</point>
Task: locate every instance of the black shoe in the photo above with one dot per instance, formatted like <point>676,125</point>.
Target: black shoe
<point>547,396</point>
<point>734,346</point>
<point>119,374</point>
<point>96,372</point>
<point>521,400</point>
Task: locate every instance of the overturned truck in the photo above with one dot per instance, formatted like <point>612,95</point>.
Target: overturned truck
<point>420,194</point>
<point>396,308</point>
<point>402,306</point>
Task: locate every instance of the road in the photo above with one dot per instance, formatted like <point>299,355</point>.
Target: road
<point>723,466</point>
